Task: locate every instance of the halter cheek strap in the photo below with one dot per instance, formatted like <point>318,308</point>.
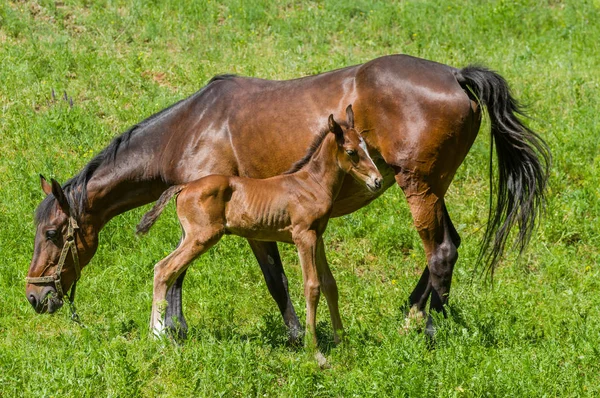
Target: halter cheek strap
<point>55,278</point>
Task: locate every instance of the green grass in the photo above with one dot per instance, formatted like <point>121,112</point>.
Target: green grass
<point>535,333</point>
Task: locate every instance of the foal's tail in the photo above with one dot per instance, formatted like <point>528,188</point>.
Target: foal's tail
<point>150,218</point>
<point>523,164</point>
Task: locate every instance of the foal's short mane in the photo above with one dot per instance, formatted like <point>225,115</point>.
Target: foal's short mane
<point>226,76</point>
<point>315,144</point>
<point>76,188</point>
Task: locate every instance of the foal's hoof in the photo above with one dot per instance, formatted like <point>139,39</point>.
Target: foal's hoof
<point>322,361</point>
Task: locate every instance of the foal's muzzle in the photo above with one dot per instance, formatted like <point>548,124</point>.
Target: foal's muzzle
<point>375,183</point>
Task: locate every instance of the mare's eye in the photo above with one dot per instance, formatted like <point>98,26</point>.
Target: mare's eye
<point>51,234</point>
<point>351,152</point>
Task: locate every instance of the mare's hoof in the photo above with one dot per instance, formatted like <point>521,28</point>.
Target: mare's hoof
<point>430,329</point>
<point>430,332</point>
<point>413,320</point>
<point>176,329</point>
<point>295,336</point>
<point>177,334</point>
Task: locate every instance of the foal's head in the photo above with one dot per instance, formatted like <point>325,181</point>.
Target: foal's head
<point>352,154</point>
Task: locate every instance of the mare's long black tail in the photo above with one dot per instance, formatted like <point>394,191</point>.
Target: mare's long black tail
<point>151,216</point>
<point>523,164</point>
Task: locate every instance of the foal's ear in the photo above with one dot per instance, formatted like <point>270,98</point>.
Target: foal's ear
<point>350,116</point>
<point>47,188</point>
<point>59,194</point>
<point>337,130</point>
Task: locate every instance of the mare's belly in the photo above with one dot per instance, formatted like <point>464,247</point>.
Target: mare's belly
<point>354,195</point>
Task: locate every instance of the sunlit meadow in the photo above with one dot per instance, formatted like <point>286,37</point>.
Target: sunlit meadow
<point>534,332</point>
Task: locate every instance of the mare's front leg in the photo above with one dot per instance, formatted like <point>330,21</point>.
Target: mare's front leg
<point>270,263</point>
<point>330,290</point>
<point>174,319</point>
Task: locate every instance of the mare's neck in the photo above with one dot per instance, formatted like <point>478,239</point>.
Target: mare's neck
<point>129,173</point>
<point>130,170</point>
<point>323,168</point>
<point>113,192</point>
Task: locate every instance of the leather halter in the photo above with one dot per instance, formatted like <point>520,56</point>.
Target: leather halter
<point>55,278</point>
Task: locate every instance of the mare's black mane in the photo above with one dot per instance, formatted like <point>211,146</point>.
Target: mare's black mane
<point>76,188</point>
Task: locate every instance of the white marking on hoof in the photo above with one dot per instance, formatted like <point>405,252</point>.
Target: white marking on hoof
<point>158,331</point>
<point>157,323</point>
<point>322,361</point>
<point>414,320</point>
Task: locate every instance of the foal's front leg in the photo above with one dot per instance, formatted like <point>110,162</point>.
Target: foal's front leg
<point>306,242</point>
<point>330,290</point>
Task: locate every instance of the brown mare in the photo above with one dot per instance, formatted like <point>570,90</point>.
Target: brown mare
<point>292,208</point>
<point>419,119</point>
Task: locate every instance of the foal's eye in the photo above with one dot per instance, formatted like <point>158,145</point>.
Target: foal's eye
<point>51,234</point>
<point>351,152</point>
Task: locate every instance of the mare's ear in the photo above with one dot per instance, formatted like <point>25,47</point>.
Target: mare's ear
<point>47,188</point>
<point>337,130</point>
<point>59,194</point>
<point>350,116</point>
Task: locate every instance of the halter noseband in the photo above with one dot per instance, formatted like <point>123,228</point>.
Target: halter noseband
<point>56,277</point>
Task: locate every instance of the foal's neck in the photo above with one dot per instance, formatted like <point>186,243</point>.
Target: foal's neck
<point>323,167</point>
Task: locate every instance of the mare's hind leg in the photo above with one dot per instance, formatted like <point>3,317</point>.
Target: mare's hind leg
<point>419,296</point>
<point>168,270</point>
<point>441,242</point>
<point>270,263</point>
<point>330,291</point>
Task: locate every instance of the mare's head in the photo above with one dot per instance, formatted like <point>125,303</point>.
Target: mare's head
<point>64,243</point>
<point>352,153</point>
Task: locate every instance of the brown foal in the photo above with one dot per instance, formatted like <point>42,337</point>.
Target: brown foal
<point>294,208</point>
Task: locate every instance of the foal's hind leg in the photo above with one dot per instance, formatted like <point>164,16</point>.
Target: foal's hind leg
<point>270,263</point>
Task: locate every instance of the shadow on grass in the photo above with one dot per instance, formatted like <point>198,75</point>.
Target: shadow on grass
<point>485,325</point>
<point>271,332</point>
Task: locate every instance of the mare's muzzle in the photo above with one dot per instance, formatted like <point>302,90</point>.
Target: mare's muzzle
<point>44,300</point>
<point>49,295</point>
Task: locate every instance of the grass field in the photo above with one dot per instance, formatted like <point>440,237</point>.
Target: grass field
<point>535,333</point>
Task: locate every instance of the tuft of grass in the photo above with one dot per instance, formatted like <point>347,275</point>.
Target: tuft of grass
<point>535,333</point>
